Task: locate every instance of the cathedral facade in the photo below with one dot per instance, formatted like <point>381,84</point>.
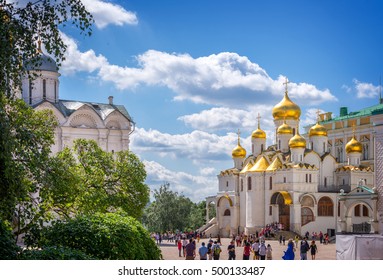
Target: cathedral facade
<point>108,124</point>
<point>322,180</point>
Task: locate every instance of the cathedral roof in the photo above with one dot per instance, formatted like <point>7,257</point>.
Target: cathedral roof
<point>68,107</point>
<point>247,167</point>
<point>41,62</point>
<point>276,164</point>
<point>231,171</point>
<point>260,165</point>
<point>354,168</point>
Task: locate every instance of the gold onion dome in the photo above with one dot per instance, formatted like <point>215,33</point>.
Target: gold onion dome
<point>318,130</point>
<point>259,133</point>
<point>285,129</point>
<point>239,151</point>
<point>286,109</point>
<point>354,146</point>
<point>297,142</point>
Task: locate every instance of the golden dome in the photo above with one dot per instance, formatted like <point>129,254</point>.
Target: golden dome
<point>354,146</point>
<point>297,142</point>
<point>239,151</point>
<point>286,109</point>
<point>258,133</point>
<point>318,130</point>
<point>285,129</point>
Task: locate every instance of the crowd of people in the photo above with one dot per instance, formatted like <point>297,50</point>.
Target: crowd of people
<point>253,246</point>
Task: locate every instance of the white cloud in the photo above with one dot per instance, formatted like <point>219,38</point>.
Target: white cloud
<point>228,119</point>
<point>366,90</point>
<point>197,188</point>
<point>105,13</point>
<point>79,61</point>
<point>224,79</point>
<point>198,146</point>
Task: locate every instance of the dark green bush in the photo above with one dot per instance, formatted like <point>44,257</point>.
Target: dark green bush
<point>8,247</point>
<point>103,236</point>
<point>53,253</point>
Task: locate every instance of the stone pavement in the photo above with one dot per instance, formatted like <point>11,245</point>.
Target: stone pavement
<point>325,252</point>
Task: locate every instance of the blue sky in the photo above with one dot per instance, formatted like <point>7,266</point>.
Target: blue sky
<point>191,73</point>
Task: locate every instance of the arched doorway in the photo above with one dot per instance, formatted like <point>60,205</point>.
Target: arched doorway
<point>283,200</point>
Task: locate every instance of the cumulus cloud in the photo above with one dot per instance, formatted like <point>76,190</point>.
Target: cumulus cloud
<point>197,145</point>
<point>228,119</point>
<point>366,90</point>
<point>224,79</point>
<point>105,13</point>
<point>79,61</point>
<point>182,182</point>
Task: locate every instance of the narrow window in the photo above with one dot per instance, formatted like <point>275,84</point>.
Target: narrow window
<point>365,211</point>
<point>55,91</point>
<point>357,211</point>
<point>325,181</point>
<point>30,91</point>
<point>307,178</point>
<point>44,89</point>
<point>284,179</point>
<point>310,178</point>
<point>271,183</point>
<point>241,185</point>
<point>270,210</point>
<point>249,183</point>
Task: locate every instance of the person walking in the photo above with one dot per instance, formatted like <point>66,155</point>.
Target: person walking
<point>216,250</point>
<point>289,253</point>
<point>262,250</point>
<point>246,251</point>
<point>313,249</point>
<point>209,250</point>
<point>231,250</point>
<point>179,246</point>
<point>304,248</point>
<point>190,250</point>
<point>255,249</point>
<point>202,251</point>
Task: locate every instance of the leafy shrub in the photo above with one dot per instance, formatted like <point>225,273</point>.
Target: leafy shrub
<point>54,253</point>
<point>8,247</point>
<point>103,236</point>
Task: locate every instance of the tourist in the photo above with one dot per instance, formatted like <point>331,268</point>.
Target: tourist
<point>269,252</point>
<point>209,250</point>
<point>184,243</point>
<point>216,249</point>
<point>190,250</point>
<point>321,237</point>
<point>255,249</point>
<point>296,239</point>
<point>262,250</point>
<point>203,252</point>
<point>231,250</point>
<point>304,248</point>
<point>313,249</point>
<point>289,253</point>
<point>246,251</point>
<point>179,245</point>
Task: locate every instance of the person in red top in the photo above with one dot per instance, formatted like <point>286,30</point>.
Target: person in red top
<point>246,251</point>
<point>179,245</point>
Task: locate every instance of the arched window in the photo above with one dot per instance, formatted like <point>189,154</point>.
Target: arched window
<point>365,211</point>
<point>227,212</point>
<point>271,183</point>
<point>307,178</point>
<point>310,178</point>
<point>307,215</point>
<point>357,210</point>
<point>325,207</point>
<point>249,183</point>
<point>325,181</point>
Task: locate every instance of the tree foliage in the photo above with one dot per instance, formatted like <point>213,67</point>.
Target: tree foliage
<point>25,140</point>
<point>107,236</point>
<point>171,211</point>
<point>96,181</point>
<point>53,253</point>
<point>22,25</point>
<point>8,249</point>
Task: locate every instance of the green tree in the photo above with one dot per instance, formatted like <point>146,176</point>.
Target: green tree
<point>171,211</point>
<point>107,236</point>
<point>21,26</point>
<point>91,180</point>
<point>25,140</point>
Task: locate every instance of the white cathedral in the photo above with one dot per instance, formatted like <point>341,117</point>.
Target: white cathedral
<point>110,125</point>
<point>321,181</point>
